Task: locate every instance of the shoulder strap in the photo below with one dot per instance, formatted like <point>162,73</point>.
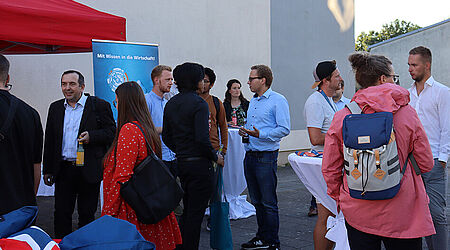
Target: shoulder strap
<point>411,158</point>
<point>9,118</point>
<point>217,106</point>
<point>354,108</point>
<point>149,148</point>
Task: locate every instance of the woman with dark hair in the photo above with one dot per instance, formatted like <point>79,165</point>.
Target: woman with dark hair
<point>402,221</point>
<point>235,103</point>
<point>128,150</point>
<point>186,132</point>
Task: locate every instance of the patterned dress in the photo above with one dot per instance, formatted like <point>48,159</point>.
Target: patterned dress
<point>131,150</point>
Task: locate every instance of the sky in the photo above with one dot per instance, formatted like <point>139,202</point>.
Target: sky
<point>372,14</point>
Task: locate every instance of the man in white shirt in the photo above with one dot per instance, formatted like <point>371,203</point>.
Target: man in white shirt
<point>319,111</point>
<point>431,100</point>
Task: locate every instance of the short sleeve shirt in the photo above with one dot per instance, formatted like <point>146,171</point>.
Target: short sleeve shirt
<point>318,114</point>
<point>21,148</point>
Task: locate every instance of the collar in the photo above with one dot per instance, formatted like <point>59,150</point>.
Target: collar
<point>81,102</point>
<point>266,94</point>
<point>430,81</point>
<point>156,96</point>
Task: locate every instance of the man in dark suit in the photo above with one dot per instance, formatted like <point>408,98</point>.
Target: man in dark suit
<point>76,118</point>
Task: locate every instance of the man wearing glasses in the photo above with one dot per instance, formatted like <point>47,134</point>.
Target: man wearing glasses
<point>318,112</point>
<point>267,122</point>
<point>431,100</point>
<point>20,148</point>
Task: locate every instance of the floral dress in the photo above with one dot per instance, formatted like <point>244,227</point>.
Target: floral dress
<point>241,115</point>
<point>131,150</point>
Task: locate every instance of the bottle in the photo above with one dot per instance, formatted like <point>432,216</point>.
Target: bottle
<point>234,118</point>
<point>245,138</point>
<point>80,155</point>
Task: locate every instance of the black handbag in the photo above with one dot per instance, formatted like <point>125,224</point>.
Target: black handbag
<point>152,191</point>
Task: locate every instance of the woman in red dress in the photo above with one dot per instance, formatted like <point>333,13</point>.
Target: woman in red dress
<point>127,150</point>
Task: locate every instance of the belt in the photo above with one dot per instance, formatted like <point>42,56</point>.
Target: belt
<point>193,159</point>
<point>69,163</point>
<point>261,152</point>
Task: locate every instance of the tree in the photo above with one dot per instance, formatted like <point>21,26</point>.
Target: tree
<point>388,31</point>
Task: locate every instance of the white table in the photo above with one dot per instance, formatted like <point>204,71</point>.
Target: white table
<point>233,177</point>
<point>309,170</point>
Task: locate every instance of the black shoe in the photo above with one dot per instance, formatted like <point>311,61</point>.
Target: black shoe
<point>255,243</point>
<point>274,247</point>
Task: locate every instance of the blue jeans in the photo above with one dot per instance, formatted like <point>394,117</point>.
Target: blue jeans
<point>435,184</point>
<point>260,169</point>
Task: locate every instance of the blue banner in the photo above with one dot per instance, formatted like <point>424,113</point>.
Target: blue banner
<point>119,62</point>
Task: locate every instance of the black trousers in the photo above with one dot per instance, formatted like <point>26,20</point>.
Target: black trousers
<point>172,165</point>
<point>195,177</point>
<point>363,241</point>
<point>70,187</point>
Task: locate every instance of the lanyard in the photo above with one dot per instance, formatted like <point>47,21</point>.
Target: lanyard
<point>328,100</point>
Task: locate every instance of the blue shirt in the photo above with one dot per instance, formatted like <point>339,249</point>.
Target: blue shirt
<point>268,113</point>
<point>72,119</point>
<point>342,102</point>
<point>156,106</point>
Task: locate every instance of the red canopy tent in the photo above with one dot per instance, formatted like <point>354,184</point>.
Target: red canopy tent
<point>54,26</point>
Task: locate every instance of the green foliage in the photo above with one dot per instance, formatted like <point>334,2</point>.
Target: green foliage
<point>393,29</point>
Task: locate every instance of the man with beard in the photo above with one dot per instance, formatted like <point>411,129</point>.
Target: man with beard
<point>162,81</point>
<point>431,100</point>
<point>319,111</point>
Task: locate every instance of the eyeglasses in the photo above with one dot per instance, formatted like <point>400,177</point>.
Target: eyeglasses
<point>396,79</point>
<point>250,79</point>
<point>115,103</point>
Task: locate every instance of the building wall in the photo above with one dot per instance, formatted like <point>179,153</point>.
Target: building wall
<point>435,38</point>
<point>228,36</point>
<point>303,34</point>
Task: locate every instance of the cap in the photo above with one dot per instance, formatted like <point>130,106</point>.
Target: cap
<point>323,70</point>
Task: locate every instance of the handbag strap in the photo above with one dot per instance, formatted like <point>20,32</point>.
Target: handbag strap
<point>219,190</point>
<point>149,148</point>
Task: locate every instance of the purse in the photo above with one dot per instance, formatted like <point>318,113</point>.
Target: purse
<point>220,235</point>
<point>152,191</point>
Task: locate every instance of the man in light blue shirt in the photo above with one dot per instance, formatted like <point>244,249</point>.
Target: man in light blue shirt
<point>339,99</point>
<point>162,81</point>
<point>267,122</point>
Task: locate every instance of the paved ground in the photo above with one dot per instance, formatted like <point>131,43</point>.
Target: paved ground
<point>295,226</point>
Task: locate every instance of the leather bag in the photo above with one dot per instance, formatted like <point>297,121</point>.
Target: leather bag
<point>152,191</point>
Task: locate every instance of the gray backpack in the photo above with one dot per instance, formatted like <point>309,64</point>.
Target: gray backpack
<point>371,162</point>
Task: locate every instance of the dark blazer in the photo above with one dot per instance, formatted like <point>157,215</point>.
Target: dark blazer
<point>101,135</point>
<point>228,109</point>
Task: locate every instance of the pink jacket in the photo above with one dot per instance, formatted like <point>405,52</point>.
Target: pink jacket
<point>407,214</point>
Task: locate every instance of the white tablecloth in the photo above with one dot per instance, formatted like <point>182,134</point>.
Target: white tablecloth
<point>45,190</point>
<point>233,177</point>
<point>309,170</point>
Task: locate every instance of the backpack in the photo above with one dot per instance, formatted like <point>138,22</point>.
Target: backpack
<point>371,162</point>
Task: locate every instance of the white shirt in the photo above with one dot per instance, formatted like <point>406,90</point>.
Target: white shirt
<point>319,114</point>
<point>433,108</point>
<point>72,119</point>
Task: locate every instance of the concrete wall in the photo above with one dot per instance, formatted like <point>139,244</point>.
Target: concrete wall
<point>228,36</point>
<point>435,38</point>
<point>303,34</point>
